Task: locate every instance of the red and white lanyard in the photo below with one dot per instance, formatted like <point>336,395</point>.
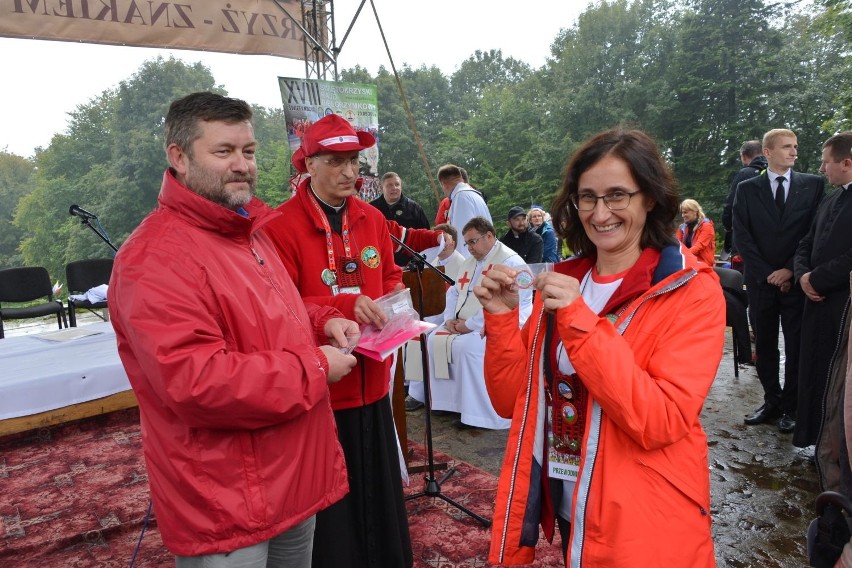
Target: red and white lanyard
<point>329,243</point>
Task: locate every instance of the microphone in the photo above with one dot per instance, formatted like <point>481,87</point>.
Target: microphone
<point>81,213</point>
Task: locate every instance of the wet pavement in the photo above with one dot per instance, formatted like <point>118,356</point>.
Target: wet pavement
<point>763,488</point>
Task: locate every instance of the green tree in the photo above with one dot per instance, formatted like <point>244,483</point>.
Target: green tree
<point>836,23</point>
<point>719,84</point>
<point>16,178</point>
<point>805,97</point>
<point>609,69</point>
<point>427,92</point>
<point>273,155</point>
<point>110,161</point>
<point>480,72</point>
<point>429,100</point>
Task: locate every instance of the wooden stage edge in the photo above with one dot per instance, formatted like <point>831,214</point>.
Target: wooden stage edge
<point>118,401</point>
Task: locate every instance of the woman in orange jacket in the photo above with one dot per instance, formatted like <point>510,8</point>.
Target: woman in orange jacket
<point>697,232</point>
<point>606,381</point>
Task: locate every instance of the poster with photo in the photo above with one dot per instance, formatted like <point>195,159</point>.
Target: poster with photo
<point>307,100</point>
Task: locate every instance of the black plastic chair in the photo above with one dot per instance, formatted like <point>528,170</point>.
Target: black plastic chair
<point>732,285</point>
<point>28,284</point>
<point>80,276</point>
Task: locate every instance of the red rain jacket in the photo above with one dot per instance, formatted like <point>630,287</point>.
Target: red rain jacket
<point>237,430</point>
<point>643,493</point>
<point>300,239</point>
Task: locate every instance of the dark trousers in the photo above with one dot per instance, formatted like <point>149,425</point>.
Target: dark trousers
<point>766,306</point>
<point>369,527</point>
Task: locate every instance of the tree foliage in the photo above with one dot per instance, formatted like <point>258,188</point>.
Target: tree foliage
<point>111,161</point>
<point>16,174</point>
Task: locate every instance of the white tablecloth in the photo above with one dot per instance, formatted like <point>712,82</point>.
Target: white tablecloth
<point>37,375</point>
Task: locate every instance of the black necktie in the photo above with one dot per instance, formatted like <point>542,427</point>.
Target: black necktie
<point>779,195</point>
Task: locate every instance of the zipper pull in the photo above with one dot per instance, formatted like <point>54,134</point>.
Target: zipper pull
<point>256,256</point>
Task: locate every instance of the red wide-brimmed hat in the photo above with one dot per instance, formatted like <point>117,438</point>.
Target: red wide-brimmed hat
<point>331,133</point>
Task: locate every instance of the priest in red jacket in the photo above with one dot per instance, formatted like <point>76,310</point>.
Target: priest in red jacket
<point>339,252</point>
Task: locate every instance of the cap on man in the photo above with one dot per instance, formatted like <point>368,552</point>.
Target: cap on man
<point>521,237</point>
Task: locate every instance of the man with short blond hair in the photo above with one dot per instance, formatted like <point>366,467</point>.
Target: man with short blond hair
<point>772,212</point>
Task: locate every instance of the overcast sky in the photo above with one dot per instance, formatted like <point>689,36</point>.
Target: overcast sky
<point>44,80</point>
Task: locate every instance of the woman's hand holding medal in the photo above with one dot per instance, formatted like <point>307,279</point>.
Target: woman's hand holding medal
<point>557,290</point>
<point>498,289</point>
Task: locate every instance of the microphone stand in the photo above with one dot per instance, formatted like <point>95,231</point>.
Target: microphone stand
<point>99,231</point>
<point>432,486</point>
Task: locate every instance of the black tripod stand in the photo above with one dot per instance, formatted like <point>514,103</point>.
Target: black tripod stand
<point>432,486</point>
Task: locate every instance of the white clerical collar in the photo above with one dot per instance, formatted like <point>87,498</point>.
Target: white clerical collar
<point>336,209</point>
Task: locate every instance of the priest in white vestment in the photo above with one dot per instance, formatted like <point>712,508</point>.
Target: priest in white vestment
<point>457,346</point>
<point>466,202</point>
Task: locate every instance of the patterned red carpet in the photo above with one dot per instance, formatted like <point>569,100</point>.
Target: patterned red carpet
<point>442,536</point>
<point>76,495</point>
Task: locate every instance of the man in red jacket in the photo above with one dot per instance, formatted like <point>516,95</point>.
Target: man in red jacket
<point>339,252</point>
<point>223,356</point>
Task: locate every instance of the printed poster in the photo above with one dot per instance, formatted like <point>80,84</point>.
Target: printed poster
<point>308,100</point>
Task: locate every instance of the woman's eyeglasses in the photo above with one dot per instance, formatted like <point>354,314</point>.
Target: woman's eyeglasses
<point>614,201</point>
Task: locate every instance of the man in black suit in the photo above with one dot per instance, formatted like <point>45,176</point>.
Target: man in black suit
<point>400,208</point>
<point>822,265</point>
<point>772,212</point>
<point>753,162</point>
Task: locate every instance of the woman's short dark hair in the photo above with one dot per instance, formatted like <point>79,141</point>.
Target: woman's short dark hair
<point>652,174</point>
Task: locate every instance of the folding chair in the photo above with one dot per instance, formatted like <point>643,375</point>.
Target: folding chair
<point>80,276</point>
<point>26,285</point>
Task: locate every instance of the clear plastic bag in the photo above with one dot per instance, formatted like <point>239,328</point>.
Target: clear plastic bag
<point>403,324</point>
